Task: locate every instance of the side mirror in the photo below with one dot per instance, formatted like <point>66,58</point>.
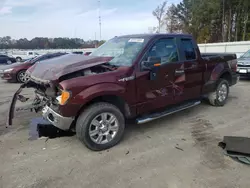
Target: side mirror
<point>151,63</point>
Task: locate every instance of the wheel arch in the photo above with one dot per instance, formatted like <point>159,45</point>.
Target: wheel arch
<point>116,100</point>
<point>18,57</point>
<point>227,76</point>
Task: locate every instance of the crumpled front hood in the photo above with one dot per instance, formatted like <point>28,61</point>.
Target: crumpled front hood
<point>53,69</point>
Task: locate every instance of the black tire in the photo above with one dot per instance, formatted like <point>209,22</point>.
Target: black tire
<point>214,98</point>
<point>19,74</point>
<point>18,59</point>
<point>83,124</point>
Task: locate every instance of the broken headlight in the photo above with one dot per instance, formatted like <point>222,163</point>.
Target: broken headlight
<point>63,97</point>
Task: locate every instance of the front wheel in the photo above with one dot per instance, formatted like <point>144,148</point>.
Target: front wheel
<point>100,126</point>
<point>219,97</point>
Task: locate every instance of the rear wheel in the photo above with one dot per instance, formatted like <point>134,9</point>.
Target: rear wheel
<point>22,76</point>
<point>219,97</point>
<point>100,126</point>
<point>9,62</point>
<point>19,59</point>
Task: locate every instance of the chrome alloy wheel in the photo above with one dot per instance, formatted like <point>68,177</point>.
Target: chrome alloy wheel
<point>222,92</point>
<point>23,77</point>
<point>103,128</point>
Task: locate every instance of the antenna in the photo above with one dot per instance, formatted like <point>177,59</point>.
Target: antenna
<point>100,21</point>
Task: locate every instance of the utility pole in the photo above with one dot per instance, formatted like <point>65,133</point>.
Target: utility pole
<point>100,21</point>
<point>223,20</point>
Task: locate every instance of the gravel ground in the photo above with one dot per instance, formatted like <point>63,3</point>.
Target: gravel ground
<point>179,151</point>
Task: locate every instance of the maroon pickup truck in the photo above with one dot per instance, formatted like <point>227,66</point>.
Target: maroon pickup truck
<point>141,77</point>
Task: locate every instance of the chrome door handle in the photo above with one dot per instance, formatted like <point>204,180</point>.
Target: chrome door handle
<point>179,72</point>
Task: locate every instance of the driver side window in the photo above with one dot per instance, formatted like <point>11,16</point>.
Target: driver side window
<point>166,49</point>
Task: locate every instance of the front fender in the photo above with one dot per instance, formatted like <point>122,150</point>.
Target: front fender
<point>73,106</point>
<point>98,90</point>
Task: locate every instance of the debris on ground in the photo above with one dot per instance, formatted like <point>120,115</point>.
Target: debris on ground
<point>179,148</point>
<point>41,128</point>
<point>71,171</point>
<point>237,148</point>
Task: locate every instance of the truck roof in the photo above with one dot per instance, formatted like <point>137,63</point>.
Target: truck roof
<point>149,36</point>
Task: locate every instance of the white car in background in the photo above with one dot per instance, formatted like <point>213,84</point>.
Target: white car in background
<point>24,55</point>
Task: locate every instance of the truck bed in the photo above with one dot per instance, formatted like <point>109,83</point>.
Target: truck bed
<point>218,56</point>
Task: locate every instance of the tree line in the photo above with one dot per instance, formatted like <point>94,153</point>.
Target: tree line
<point>47,43</point>
<point>207,20</point>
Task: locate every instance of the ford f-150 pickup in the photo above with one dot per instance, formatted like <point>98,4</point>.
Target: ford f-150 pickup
<point>141,77</point>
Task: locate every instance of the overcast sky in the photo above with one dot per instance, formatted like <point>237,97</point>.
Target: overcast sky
<point>75,18</point>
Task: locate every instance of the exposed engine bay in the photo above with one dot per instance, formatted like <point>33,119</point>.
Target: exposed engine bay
<point>89,71</point>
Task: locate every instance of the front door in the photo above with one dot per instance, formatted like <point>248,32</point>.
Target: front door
<point>157,93</point>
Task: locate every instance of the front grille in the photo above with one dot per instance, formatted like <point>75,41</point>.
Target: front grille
<point>240,65</point>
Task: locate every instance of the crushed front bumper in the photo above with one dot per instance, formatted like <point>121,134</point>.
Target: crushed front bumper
<point>39,104</point>
<point>56,119</point>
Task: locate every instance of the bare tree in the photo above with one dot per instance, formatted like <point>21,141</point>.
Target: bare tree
<point>172,22</point>
<point>159,13</point>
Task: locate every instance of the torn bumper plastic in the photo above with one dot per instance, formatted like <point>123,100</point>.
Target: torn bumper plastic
<point>56,119</point>
<point>13,104</point>
<point>37,104</point>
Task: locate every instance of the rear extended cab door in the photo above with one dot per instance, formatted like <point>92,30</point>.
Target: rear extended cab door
<point>193,69</point>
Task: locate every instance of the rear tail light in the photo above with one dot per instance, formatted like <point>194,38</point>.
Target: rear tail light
<point>234,65</point>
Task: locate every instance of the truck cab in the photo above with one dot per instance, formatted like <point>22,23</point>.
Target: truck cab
<point>139,77</point>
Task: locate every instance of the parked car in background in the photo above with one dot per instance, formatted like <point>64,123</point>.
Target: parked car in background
<point>143,77</point>
<point>24,55</point>
<point>77,52</point>
<point>6,60</point>
<point>16,72</point>
<point>244,65</point>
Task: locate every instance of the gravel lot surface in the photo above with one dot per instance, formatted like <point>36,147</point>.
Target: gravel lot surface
<point>179,151</point>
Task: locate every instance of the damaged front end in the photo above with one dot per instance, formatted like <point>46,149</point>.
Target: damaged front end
<point>50,96</point>
<point>45,95</point>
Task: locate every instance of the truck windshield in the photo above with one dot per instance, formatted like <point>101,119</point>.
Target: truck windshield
<point>123,50</point>
<point>247,54</point>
